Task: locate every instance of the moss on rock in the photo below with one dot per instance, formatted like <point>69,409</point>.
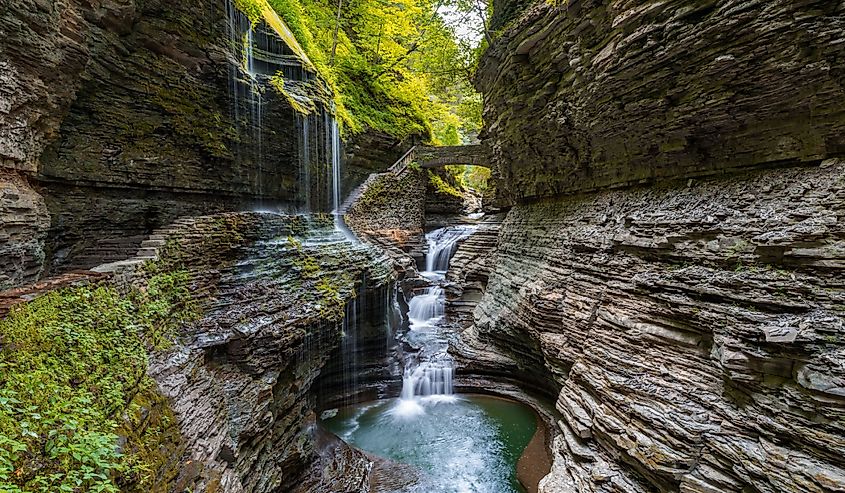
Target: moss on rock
<point>78,411</point>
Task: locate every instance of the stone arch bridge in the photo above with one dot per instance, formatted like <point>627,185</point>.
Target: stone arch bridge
<point>435,157</point>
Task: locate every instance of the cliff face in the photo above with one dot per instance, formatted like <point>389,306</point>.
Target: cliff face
<point>690,331</point>
<point>122,116</point>
<point>588,94</point>
<point>275,303</point>
<point>241,381</point>
<point>695,333</point>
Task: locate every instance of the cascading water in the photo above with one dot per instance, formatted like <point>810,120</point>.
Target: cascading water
<point>245,87</point>
<point>442,244</point>
<point>320,166</point>
<point>428,373</point>
<point>471,443</point>
<point>335,146</point>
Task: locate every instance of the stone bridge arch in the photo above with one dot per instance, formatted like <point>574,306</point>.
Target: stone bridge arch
<point>435,157</point>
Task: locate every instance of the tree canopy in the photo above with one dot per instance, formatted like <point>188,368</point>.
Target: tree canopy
<point>397,66</point>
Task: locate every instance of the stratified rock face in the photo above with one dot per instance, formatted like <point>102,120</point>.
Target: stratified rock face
<point>240,380</point>
<point>586,94</point>
<point>125,115</point>
<point>695,331</point>
<point>24,221</point>
<point>470,268</point>
<point>144,95</point>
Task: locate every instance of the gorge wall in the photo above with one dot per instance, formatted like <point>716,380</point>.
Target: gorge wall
<point>235,395</point>
<point>689,330</point>
<point>589,94</point>
<point>118,117</point>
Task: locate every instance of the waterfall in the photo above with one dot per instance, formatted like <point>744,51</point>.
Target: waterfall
<point>245,87</point>
<point>335,166</point>
<point>349,349</point>
<point>428,374</point>
<point>320,163</point>
<point>305,161</point>
<point>427,379</point>
<point>426,306</point>
<point>442,244</point>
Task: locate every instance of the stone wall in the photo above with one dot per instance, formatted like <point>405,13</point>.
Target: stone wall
<point>693,331</point>
<point>587,94</point>
<point>371,152</point>
<point>390,211</point>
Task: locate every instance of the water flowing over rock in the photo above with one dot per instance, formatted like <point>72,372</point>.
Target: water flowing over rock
<point>241,381</point>
<point>428,368</point>
<point>121,117</point>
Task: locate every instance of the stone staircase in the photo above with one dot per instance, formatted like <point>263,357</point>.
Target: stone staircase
<point>397,168</point>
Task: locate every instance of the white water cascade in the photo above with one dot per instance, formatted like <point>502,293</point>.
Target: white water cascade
<point>442,244</point>
<point>335,166</point>
<point>428,373</point>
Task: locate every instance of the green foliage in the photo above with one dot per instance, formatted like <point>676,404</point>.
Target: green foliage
<point>251,8</point>
<point>398,68</point>
<point>442,187</point>
<point>71,364</point>
<point>163,306</point>
<point>471,177</point>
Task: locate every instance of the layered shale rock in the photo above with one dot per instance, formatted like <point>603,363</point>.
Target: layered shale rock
<point>469,270</point>
<point>24,220</point>
<point>694,331</point>
<point>276,295</point>
<point>444,202</point>
<point>241,380</point>
<point>690,333</point>
<point>126,115</point>
<point>587,94</point>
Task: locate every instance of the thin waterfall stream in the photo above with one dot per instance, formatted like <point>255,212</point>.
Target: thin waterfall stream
<point>456,443</point>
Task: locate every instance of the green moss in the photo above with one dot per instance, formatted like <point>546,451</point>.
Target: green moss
<point>72,374</point>
<point>251,8</point>
<point>441,186</point>
<point>190,118</point>
<point>332,305</point>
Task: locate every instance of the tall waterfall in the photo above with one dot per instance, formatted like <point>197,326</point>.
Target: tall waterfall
<point>335,145</point>
<point>320,162</point>
<point>245,88</point>
<point>428,373</point>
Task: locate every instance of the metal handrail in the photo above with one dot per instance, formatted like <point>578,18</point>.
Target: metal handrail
<point>402,163</point>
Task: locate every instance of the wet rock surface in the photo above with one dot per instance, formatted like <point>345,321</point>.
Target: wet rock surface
<point>242,379</point>
<point>692,331</point>
<point>126,115</point>
<point>276,295</point>
<point>469,270</point>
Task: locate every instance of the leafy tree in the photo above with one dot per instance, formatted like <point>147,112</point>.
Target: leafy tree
<point>395,65</point>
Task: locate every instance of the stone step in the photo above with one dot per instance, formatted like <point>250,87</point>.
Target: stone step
<point>147,252</point>
<point>152,243</point>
